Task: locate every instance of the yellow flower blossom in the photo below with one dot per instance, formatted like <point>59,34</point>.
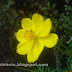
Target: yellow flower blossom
<point>34,35</point>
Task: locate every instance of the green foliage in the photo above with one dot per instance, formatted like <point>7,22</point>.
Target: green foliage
<point>8,14</point>
<point>11,2</point>
<point>53,6</point>
<point>44,69</point>
<point>5,7</point>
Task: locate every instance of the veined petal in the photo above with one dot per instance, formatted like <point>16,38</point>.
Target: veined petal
<point>27,23</point>
<point>50,41</point>
<point>38,22</point>
<point>20,36</point>
<point>46,28</point>
<point>24,48</point>
<point>36,51</point>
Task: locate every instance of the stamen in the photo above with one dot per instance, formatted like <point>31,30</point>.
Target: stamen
<point>30,30</point>
<point>29,35</point>
<point>26,30</point>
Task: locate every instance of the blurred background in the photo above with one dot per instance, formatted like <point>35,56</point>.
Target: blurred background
<point>59,58</point>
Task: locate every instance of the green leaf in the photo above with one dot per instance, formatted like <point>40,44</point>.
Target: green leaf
<point>5,7</point>
<point>46,69</point>
<point>44,8</point>
<point>62,15</point>
<point>70,45</point>
<point>39,68</point>
<point>48,4</point>
<point>42,68</point>
<point>8,15</point>
<point>55,12</point>
<point>53,5</point>
<point>12,22</point>
<point>11,2</point>
<point>16,15</point>
<point>64,25</point>
<point>61,27</point>
<point>67,1</point>
<point>46,13</point>
<point>17,23</point>
<point>69,8</point>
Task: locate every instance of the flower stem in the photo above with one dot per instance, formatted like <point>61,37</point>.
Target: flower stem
<point>64,46</point>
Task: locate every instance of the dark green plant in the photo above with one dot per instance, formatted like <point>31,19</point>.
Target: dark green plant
<point>7,14</point>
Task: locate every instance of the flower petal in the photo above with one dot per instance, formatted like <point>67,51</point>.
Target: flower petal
<point>46,28</point>
<point>38,21</point>
<point>36,51</point>
<point>27,23</point>
<point>24,48</point>
<point>20,36</point>
<point>50,40</point>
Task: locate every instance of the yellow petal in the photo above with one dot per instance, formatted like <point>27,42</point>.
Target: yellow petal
<point>36,51</point>
<point>50,41</point>
<point>46,28</point>
<point>27,23</point>
<point>24,48</point>
<point>38,22</point>
<point>20,36</point>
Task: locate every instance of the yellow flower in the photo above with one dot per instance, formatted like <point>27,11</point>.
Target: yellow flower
<point>34,35</point>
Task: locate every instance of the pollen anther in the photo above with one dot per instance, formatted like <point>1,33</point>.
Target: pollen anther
<point>29,35</point>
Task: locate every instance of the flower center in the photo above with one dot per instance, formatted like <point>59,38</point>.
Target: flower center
<point>29,35</point>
